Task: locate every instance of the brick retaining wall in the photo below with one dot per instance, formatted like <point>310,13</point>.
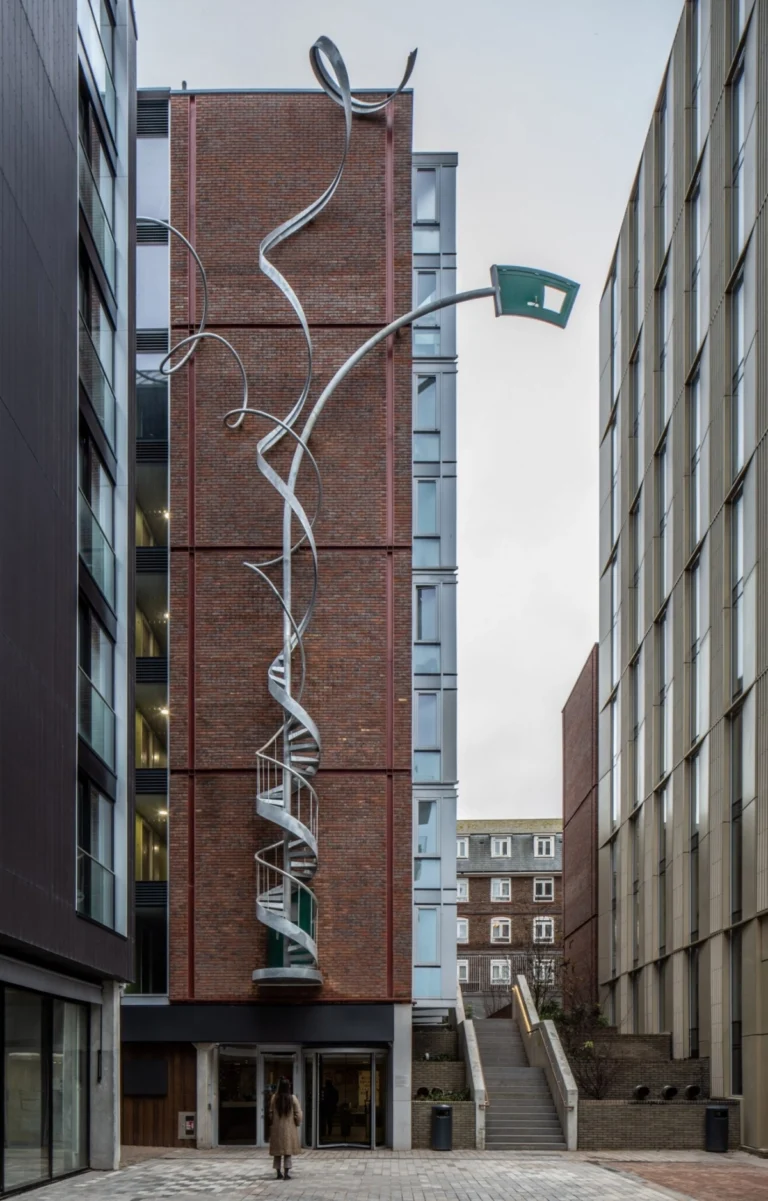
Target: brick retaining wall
<point>448,1076</point>
<point>437,1040</point>
<point>649,1125</point>
<point>463,1125</point>
<point>654,1074</point>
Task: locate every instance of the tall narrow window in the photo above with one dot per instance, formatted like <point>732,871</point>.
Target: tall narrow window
<point>615,496</point>
<point>664,707</point>
<point>663,816</point>
<point>636,1016</point>
<point>738,143</point>
<point>426,755</point>
<point>738,361</point>
<point>696,59</point>
<point>693,1003</point>
<point>663,502</point>
<point>614,906</point>
<point>736,992</point>
<point>737,804</point>
<point>425,195</point>
<point>615,330</point>
<point>615,762</point>
<point>694,213</point>
<point>636,398</point>
<point>634,231</point>
<point>662,175</point>
<point>695,435</point>
<point>738,20</point>
<point>635,836</point>
<point>694,779</point>
<point>426,549</point>
<point>615,641</point>
<point>426,614</point>
<point>663,357</point>
<point>662,985</point>
<point>638,728</point>
<point>694,601</point>
<point>737,594</point>
<point>636,542</point>
<point>425,415</point>
<point>95,854</point>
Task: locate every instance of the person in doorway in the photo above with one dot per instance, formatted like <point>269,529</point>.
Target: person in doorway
<point>286,1115</point>
<point>328,1102</point>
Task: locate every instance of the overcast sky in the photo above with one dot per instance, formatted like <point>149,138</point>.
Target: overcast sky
<point>548,105</point>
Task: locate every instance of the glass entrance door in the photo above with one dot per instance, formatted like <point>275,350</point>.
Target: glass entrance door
<point>274,1067</point>
<point>349,1110</point>
<point>238,1096</point>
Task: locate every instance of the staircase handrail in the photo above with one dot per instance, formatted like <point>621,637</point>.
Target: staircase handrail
<point>544,1049</point>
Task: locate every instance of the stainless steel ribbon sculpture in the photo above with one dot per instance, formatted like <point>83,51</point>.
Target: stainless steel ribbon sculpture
<point>288,761</point>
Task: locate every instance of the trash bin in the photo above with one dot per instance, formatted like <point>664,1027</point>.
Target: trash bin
<point>442,1127</point>
<point>716,1128</point>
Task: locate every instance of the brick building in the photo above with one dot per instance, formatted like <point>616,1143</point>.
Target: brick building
<point>299,964</point>
<point>509,904</point>
<point>580,830</point>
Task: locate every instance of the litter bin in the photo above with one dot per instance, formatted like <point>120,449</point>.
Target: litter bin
<point>716,1128</point>
<point>442,1127</point>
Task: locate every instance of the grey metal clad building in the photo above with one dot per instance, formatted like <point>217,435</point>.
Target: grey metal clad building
<point>67,95</point>
<point>683,817</point>
<point>434,584</point>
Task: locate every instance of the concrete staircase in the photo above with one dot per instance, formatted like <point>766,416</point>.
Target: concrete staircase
<point>521,1115</point>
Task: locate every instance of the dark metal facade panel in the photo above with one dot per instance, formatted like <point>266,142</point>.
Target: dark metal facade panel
<point>345,1025</point>
<point>38,491</point>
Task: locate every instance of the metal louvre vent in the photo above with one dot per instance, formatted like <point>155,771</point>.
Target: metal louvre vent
<point>151,894</point>
<point>151,452</point>
<point>151,234</point>
<point>151,781</point>
<point>151,341</point>
<point>152,670</point>
<point>152,117</point>
<point>152,558</point>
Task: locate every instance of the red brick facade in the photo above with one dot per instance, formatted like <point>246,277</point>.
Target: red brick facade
<point>522,909</point>
<point>253,161</point>
<point>580,828</point>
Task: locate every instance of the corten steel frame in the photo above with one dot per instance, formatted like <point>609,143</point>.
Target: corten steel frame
<point>288,761</point>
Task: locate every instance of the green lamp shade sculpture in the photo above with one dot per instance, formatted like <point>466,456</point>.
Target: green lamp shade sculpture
<point>525,292</point>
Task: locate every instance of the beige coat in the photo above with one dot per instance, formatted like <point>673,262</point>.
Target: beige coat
<point>284,1131</point>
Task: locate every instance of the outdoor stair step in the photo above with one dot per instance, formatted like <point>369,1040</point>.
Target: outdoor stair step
<point>546,1122</point>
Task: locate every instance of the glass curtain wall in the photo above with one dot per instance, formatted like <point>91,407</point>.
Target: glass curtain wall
<point>44,1081</point>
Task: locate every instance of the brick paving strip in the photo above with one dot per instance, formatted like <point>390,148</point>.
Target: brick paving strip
<point>720,1179</point>
<point>235,1175</point>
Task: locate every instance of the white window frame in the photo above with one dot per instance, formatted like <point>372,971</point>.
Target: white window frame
<point>550,880</point>
<point>462,921</point>
<point>461,900</point>
<point>501,854</point>
<point>505,976</point>
<point>462,854</point>
<point>539,842</point>
<point>462,971</point>
<point>499,884</point>
<point>538,924</point>
<point>496,924</point>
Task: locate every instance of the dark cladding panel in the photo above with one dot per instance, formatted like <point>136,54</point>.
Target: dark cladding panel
<point>344,1025</point>
<point>145,1078</point>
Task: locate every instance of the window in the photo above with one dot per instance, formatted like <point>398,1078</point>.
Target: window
<point>662,176</point>
<point>543,929</point>
<point>501,929</point>
<point>738,360</point>
<point>663,509</point>
<point>737,804</point>
<point>695,435</point>
<point>426,873</point>
<point>426,293</point>
<point>614,906</point>
<point>694,798</point>
<point>615,762</point>
<point>425,416</point>
<point>501,971</point>
<point>426,552</point>
<point>694,600</point>
<point>634,831</point>
<point>462,929</point>
<point>738,145</point>
<point>425,194</point>
<point>665,706</point>
<point>636,225</point>
<point>637,679</point>
<point>736,992</point>
<point>693,1003</point>
<point>426,507</point>
<point>615,600</point>
<point>696,61</point>
<point>95,854</point>
<point>615,495</point>
<point>544,889</point>
<point>637,393</point>
<point>737,594</point>
<point>544,971</point>
<point>96,519</point>
<point>738,20</point>
<point>462,848</point>
<point>150,750</point>
<point>501,890</point>
<point>462,890</point>
<point>663,815</point>
<point>615,331</point>
<point>500,848</point>
<point>694,214</point>
<point>661,984</point>
<point>426,614</point>
<point>664,363</point>
<point>636,544</point>
<point>426,766</point>
<point>462,971</point>
<point>427,936</point>
<point>96,718</point>
<point>426,762</point>
<point>543,848</point>
<point>426,837</point>
<point>426,448</point>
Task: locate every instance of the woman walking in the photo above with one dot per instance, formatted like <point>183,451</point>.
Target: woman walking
<point>286,1115</point>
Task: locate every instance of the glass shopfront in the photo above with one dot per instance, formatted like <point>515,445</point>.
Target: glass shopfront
<point>44,1083</point>
<point>343,1093</point>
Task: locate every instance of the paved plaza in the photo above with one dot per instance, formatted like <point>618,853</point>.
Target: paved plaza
<point>419,1176</point>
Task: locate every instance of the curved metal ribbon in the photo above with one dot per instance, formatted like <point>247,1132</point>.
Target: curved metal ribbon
<point>288,761</point>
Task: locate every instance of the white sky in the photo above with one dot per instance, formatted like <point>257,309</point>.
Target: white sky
<point>547,104</point>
